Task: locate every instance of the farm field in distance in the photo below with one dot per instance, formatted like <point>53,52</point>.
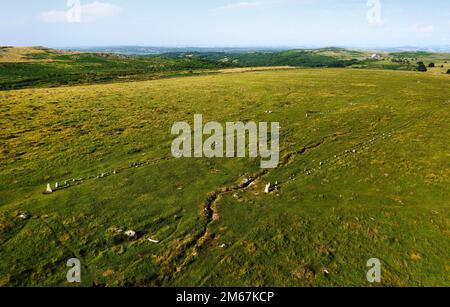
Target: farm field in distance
<point>364,173</point>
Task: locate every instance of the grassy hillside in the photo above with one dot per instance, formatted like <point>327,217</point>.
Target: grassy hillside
<point>365,173</point>
<point>41,67</point>
<point>328,57</point>
<point>441,61</point>
<point>325,57</point>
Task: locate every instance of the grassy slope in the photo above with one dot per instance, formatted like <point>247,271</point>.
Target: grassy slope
<point>23,54</point>
<point>410,61</point>
<point>331,57</point>
<point>40,67</point>
<point>388,200</point>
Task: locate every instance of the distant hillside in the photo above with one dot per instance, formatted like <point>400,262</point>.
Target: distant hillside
<point>43,67</point>
<point>328,57</point>
<point>25,54</point>
<point>142,50</point>
<point>37,66</point>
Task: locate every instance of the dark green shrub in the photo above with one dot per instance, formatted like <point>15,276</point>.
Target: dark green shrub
<point>422,67</point>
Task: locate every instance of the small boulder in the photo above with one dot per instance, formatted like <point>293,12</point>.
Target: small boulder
<point>131,234</point>
<point>24,216</point>
<point>117,231</point>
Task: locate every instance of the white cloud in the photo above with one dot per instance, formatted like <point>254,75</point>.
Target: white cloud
<point>240,5</point>
<point>422,28</point>
<point>88,13</point>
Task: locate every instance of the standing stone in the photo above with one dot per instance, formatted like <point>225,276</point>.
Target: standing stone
<point>267,189</point>
<point>49,189</point>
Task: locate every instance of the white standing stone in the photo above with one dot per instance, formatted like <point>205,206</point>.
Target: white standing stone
<point>49,189</point>
<point>267,189</point>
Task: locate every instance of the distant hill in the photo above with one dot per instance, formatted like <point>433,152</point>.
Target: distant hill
<point>43,67</point>
<point>25,54</point>
<point>142,50</point>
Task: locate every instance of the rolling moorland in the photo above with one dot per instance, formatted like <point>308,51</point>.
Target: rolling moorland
<point>364,173</point>
<point>43,67</point>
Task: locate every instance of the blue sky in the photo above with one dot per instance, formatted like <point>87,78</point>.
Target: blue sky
<point>227,23</point>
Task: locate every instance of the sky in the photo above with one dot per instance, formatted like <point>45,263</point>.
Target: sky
<point>225,23</point>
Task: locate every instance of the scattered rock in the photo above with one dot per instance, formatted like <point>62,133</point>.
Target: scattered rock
<point>245,181</point>
<point>270,188</point>
<point>24,216</point>
<point>117,230</point>
<point>153,241</point>
<point>223,245</point>
<point>131,234</point>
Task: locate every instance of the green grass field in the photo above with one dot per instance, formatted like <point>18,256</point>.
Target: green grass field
<point>365,173</point>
